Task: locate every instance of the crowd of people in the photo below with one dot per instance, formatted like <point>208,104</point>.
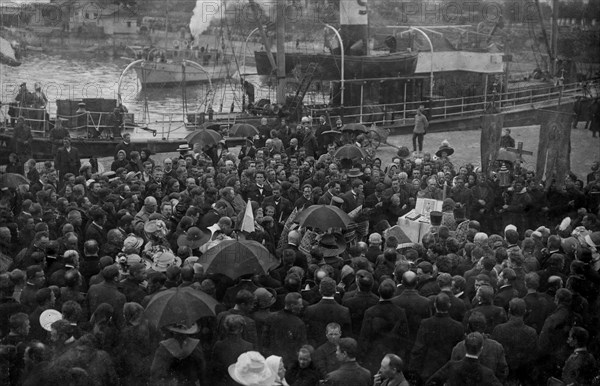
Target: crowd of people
<point>502,289</point>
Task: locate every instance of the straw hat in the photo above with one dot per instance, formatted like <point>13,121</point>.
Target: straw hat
<point>354,172</point>
<point>251,369</point>
<point>132,242</point>
<point>163,260</point>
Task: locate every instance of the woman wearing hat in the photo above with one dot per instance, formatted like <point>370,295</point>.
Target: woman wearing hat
<point>179,359</point>
<point>251,369</point>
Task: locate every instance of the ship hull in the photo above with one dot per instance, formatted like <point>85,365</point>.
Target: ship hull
<point>154,74</point>
<point>355,67</point>
<point>87,147</point>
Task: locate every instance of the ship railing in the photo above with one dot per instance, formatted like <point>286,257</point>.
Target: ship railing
<point>94,124</point>
<point>402,113</point>
<point>36,118</point>
<point>168,123</point>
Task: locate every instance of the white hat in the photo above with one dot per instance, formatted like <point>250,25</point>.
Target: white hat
<point>305,120</point>
<point>251,369</point>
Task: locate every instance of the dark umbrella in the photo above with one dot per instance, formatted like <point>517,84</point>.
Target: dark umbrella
<point>355,127</point>
<point>204,137</point>
<point>243,130</point>
<point>209,126</point>
<point>12,180</point>
<point>350,152</point>
<point>179,305</point>
<point>323,217</point>
<point>234,258</point>
<point>330,136</point>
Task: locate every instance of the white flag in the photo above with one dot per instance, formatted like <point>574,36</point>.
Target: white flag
<point>248,220</point>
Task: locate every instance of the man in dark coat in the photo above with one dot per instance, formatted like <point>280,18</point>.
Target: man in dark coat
<point>96,230</point>
<point>494,315</point>
<point>467,371</point>
<point>325,359</point>
<point>350,372</point>
<point>226,351</point>
<point>107,292</point>
<point>384,328</point>
<point>284,333</point>
<point>283,207</point>
<point>363,299</point>
<point>244,303</point>
<point>492,356</point>
<point>435,340</point>
<point>506,290</point>
<point>519,342</point>
<point>354,197</point>
<point>458,307</point>
<point>259,190</point>
<point>67,159</point>
<point>555,332</point>
<point>245,283</point>
<point>415,306</point>
<point>538,308</point>
<point>327,310</point>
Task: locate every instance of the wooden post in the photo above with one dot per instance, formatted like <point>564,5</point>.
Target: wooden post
<point>281,82</point>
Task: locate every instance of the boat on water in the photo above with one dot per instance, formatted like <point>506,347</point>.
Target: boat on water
<point>174,68</point>
<point>95,127</point>
<point>457,82</point>
<point>328,67</point>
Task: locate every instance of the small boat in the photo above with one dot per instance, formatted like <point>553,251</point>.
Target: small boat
<point>170,68</point>
<point>355,67</point>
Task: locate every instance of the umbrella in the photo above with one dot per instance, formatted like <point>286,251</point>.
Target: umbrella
<point>204,137</point>
<point>209,126</point>
<point>180,305</point>
<point>12,180</point>
<point>356,127</point>
<point>234,258</point>
<point>330,136</point>
<point>350,152</point>
<point>323,217</point>
<point>505,155</point>
<point>243,130</point>
<point>7,54</point>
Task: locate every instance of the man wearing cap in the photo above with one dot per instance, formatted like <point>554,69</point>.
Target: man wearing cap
<point>67,158</point>
<point>247,150</point>
<point>58,133</point>
<point>309,143</point>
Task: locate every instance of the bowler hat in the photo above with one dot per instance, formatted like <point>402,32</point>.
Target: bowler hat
<point>332,245</point>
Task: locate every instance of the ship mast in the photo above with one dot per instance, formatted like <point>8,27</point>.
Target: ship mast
<point>280,28</point>
<point>554,37</point>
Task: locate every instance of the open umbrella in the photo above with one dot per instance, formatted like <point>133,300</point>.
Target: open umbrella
<point>179,305</point>
<point>12,180</point>
<point>7,54</point>
<point>204,137</point>
<point>234,258</point>
<point>209,126</point>
<point>330,136</point>
<point>243,130</point>
<point>323,217</point>
<point>350,152</point>
<point>355,127</point>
